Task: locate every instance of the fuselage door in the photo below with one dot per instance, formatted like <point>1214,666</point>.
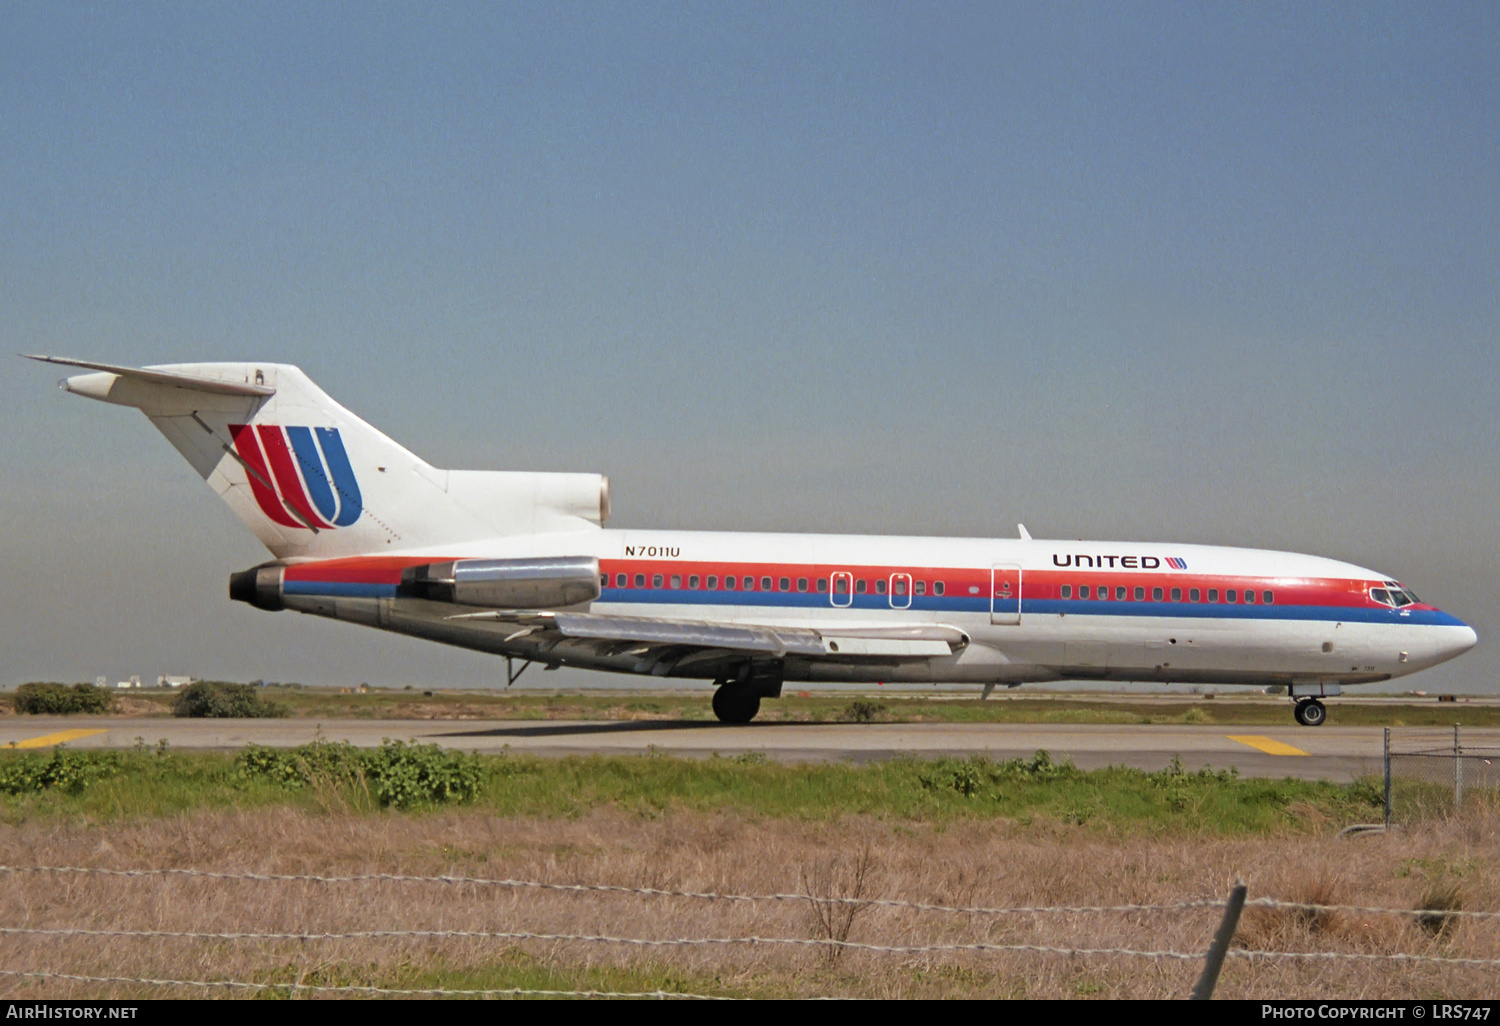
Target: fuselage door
<point>1005,593</point>
<point>900,591</point>
<point>841,591</point>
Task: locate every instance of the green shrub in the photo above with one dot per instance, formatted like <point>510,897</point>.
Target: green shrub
<point>863,712</point>
<point>967,776</point>
<point>396,774</point>
<point>59,699</point>
<point>219,700</point>
<point>64,770</point>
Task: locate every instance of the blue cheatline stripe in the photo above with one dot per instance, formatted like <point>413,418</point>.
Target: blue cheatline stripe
<point>981,604</point>
<point>339,589</point>
<point>351,503</point>
<point>947,604</point>
<point>312,470</point>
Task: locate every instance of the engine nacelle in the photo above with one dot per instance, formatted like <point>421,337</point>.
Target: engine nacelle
<point>260,586</point>
<point>546,582</point>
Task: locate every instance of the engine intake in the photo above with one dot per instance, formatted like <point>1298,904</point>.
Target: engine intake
<point>542,583</point>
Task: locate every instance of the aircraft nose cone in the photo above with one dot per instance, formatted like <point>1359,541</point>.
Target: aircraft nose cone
<point>1464,638</point>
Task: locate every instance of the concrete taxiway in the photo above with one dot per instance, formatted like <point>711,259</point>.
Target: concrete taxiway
<point>1328,753</point>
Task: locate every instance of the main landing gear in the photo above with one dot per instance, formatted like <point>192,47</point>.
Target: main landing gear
<point>736,703</point>
<point>1310,712</point>
<point>737,699</point>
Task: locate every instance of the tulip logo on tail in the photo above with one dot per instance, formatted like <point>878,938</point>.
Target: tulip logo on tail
<point>300,476</point>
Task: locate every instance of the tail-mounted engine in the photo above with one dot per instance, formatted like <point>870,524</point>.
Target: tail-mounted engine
<point>549,582</point>
<point>544,583</point>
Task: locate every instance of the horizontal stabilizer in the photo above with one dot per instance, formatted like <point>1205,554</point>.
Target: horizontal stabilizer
<point>192,382</point>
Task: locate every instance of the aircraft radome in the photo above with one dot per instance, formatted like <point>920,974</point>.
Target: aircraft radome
<point>521,565</point>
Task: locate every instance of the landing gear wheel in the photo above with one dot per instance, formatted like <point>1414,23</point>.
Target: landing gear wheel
<point>735,704</point>
<point>1310,712</point>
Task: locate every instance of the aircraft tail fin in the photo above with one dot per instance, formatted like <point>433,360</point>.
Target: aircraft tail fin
<point>312,480</point>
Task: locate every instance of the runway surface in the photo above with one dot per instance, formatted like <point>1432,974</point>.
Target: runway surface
<point>1327,753</point>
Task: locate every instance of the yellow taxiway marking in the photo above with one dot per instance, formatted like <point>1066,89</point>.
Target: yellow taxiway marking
<point>1265,744</point>
<point>61,737</point>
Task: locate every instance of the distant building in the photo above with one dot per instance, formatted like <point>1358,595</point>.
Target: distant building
<point>169,681</point>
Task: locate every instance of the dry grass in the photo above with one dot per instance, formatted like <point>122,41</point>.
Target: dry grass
<point>964,863</point>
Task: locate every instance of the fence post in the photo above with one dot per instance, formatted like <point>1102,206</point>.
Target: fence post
<point>1214,960</point>
<point>1458,772</point>
<point>1387,778</point>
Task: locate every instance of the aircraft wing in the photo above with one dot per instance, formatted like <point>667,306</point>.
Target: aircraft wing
<point>655,640</point>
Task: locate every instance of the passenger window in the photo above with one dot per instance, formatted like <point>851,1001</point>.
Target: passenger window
<point>802,584</point>
<point>1120,593</point>
<point>840,585</point>
<point>859,586</point>
<point>880,586</point>
<point>604,580</point>
<point>640,580</point>
<point>823,584</point>
<point>1103,591</point>
<point>937,587</point>
<point>921,587</point>
<point>749,583</point>
<point>693,581</point>
<point>1193,594</point>
<point>1249,596</point>
<point>1155,594</point>
<point>621,580</point>
<point>712,584</point>
<point>1267,597</point>
<point>1140,593</point>
<point>898,586</point>
<point>784,584</point>
<point>1231,596</point>
<point>765,584</point>
<point>656,580</point>
<point>729,583</point>
<point>1176,594</point>
<point>1083,591</point>
<point>1067,591</point>
<point>1213,594</point>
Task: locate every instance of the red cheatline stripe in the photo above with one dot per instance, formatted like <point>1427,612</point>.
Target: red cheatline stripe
<point>249,451</point>
<point>286,472</point>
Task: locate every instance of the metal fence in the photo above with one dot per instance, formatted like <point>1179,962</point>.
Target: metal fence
<point>1432,774</point>
<point>124,955</point>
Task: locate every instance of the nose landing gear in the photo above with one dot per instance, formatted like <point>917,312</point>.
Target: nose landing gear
<point>1310,712</point>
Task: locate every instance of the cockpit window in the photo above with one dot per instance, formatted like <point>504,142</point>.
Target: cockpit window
<point>1392,597</point>
<point>1397,588</point>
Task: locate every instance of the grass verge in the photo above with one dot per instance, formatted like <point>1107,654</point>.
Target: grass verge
<point>818,707</point>
<point>335,778</point>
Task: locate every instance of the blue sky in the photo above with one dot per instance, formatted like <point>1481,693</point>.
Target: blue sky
<point>1212,273</point>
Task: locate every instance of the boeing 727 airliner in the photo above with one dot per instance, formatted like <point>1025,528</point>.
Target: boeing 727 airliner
<point>520,565</point>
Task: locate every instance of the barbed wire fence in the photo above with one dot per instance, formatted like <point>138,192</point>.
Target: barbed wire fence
<point>1211,955</point>
<point>1433,774</point>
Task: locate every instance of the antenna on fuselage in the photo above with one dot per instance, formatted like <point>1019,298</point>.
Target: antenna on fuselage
<point>1025,534</point>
